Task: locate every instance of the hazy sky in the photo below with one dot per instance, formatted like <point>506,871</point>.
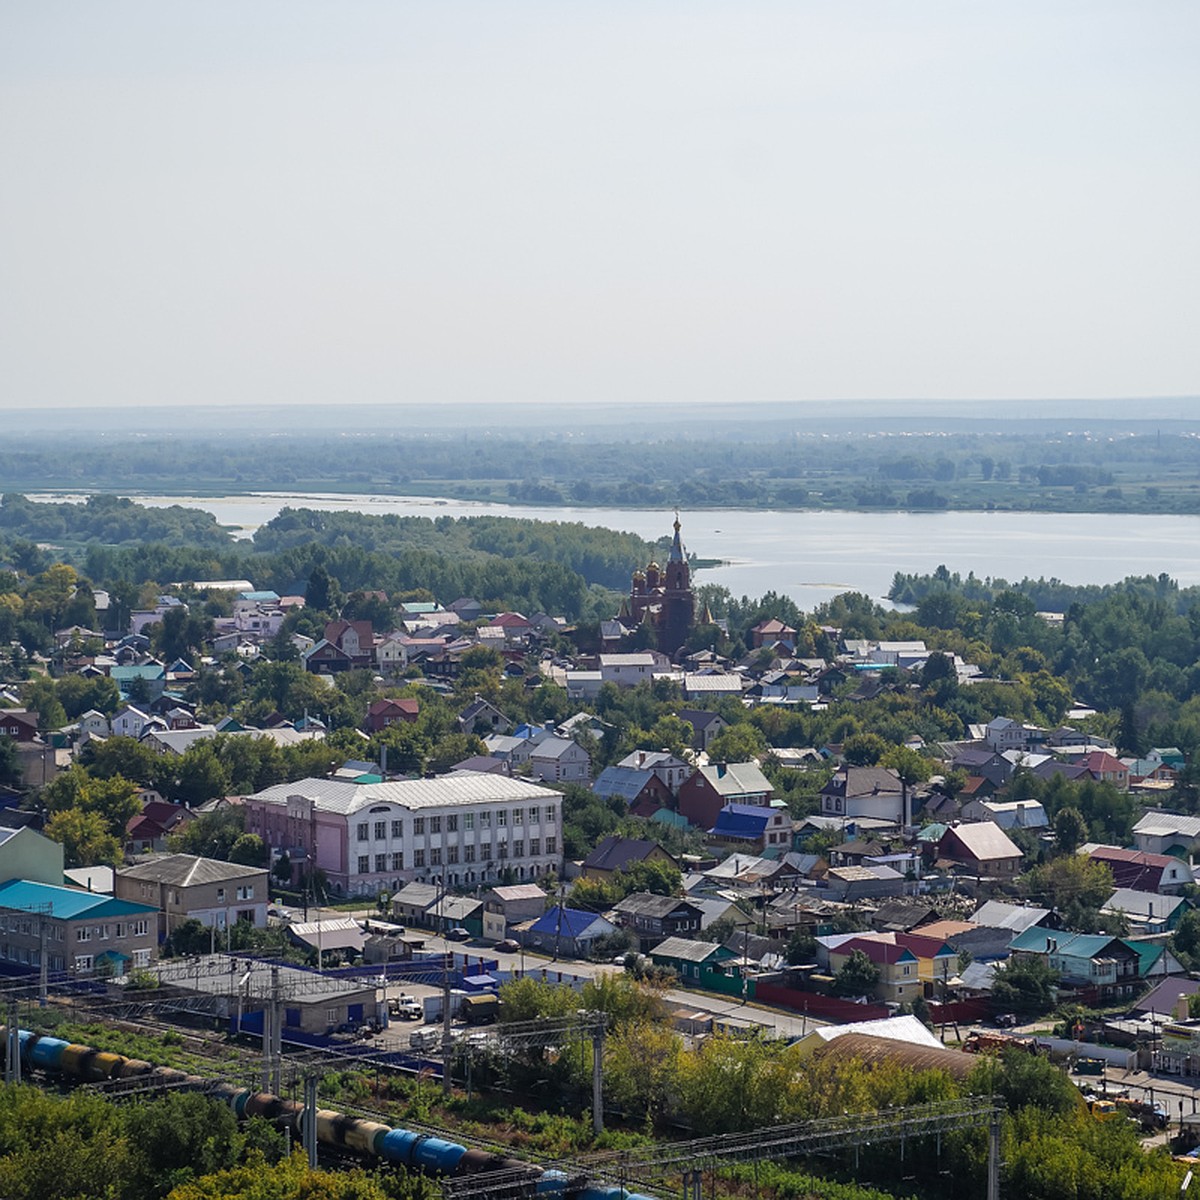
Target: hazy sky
<point>573,202</point>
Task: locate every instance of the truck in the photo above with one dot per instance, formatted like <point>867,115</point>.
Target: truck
<point>481,1010</point>
<point>407,1008</point>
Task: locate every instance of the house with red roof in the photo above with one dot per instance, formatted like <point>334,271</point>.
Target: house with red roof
<point>1139,870</point>
<point>150,828</point>
<point>1105,768</point>
<point>388,711</point>
<point>899,969</point>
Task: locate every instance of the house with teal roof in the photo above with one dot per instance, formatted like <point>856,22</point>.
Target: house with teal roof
<point>1114,966</point>
<point>81,933</point>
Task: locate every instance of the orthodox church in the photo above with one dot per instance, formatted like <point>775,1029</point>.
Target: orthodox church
<point>663,600</point>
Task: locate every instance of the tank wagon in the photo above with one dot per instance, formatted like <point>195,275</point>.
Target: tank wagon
<point>406,1148</point>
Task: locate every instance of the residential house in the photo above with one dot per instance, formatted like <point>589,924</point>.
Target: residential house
<point>185,886</point>
<point>694,962</point>
<point>1160,832</point>
<point>483,717</point>
<point>18,724</point>
<point>411,904</point>
<point>567,932</point>
<point>1146,912</point>
<point>510,904</point>
<point>702,796</point>
<point>653,918</point>
<point>848,885</point>
<point>643,791</point>
<point>615,853</point>
<point>1014,814</point>
<point>1110,965</point>
<point>982,849</point>
<point>707,687</point>
<point>1016,918</point>
<point>874,792</point>
<point>130,722</point>
<point>773,632</point>
<point>1105,768</point>
<point>759,828</point>
<point>670,769</point>
<point>355,639</point>
<point>705,726</point>
<point>81,932</point>
<point>1003,733</point>
<point>899,971</point>
<point>387,711</point>
<point>560,760</point>
<point>148,830</point>
<point>1139,870</point>
<point>628,670</point>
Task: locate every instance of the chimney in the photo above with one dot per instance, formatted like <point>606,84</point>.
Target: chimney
<point>1181,1008</point>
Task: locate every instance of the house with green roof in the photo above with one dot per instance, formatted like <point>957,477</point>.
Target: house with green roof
<point>1113,966</point>
<point>81,933</point>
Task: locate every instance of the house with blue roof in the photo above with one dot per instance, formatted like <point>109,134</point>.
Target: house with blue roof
<point>756,828</point>
<point>567,932</point>
<point>81,933</point>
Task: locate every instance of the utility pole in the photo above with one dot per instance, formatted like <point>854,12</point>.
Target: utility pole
<point>310,1119</point>
<point>276,1032</point>
<point>43,962</point>
<point>447,1041</point>
<point>598,1075</point>
<point>993,1169</point>
<point>12,1059</point>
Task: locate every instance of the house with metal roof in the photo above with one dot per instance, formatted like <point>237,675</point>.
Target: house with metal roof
<point>566,932</point>
<point>653,918</point>
<point>77,931</point>
<point>702,796</point>
<point>1146,912</point>
<point>186,886</point>
<point>1111,965</point>
<point>754,827</point>
<point>615,853</point>
<point>694,962</point>
<point>642,791</point>
<point>981,848</point>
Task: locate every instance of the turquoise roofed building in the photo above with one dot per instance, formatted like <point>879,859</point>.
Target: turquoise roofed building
<point>81,934</point>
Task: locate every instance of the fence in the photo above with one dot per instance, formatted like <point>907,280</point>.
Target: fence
<point>829,1008</point>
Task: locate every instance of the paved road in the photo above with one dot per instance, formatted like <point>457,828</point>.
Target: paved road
<point>784,1024</point>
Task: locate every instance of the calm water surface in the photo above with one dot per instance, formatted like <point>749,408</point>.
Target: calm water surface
<point>813,556</point>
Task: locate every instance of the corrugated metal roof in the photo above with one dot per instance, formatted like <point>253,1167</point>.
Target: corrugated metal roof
<point>446,791</point>
<point>65,904</point>
<point>864,1048</point>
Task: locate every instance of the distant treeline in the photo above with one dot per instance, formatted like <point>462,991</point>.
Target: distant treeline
<point>558,567</point>
<point>1045,470</point>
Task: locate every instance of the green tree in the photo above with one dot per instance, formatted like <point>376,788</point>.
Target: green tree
<point>859,976</point>
<point>85,838</point>
<point>1070,830</point>
<point>1025,984</point>
<point>738,743</point>
<point>249,850</point>
<point>864,749</point>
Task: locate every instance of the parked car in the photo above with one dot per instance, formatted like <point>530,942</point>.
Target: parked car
<point>508,945</point>
<point>458,934</point>
<point>1004,1020</point>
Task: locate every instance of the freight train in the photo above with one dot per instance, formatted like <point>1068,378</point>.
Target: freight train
<point>401,1147</point>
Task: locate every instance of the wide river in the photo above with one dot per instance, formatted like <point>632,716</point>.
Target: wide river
<point>812,556</point>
